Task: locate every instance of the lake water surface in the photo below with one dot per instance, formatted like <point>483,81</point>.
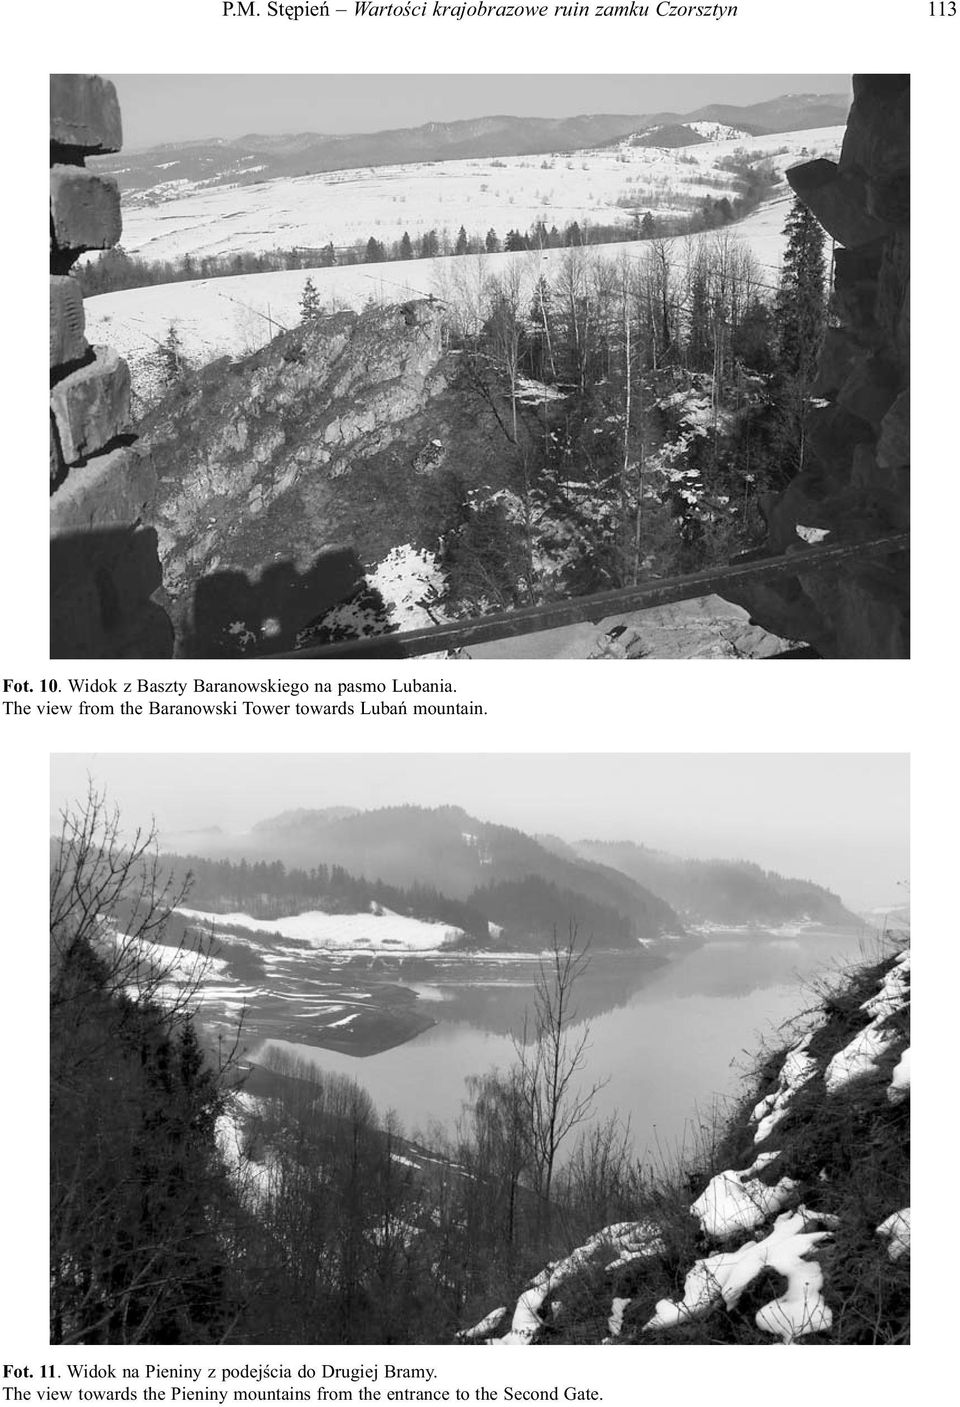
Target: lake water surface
<point>670,1039</point>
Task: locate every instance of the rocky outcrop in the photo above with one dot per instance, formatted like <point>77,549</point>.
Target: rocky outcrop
<point>855,482</point>
<point>104,567</point>
<point>283,474</point>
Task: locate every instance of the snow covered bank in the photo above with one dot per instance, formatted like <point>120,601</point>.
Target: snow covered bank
<point>366,932</point>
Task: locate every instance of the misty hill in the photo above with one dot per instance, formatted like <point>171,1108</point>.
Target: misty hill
<point>718,891</point>
<point>261,157</point>
<point>471,861</point>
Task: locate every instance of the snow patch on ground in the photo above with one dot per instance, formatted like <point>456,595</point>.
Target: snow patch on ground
<point>868,1046</point>
<point>739,1201</point>
<point>629,1239</point>
<point>896,1231</point>
<point>723,1278</point>
<point>361,932</point>
<point>798,1067</point>
<point>859,1058</point>
<point>615,1322</point>
<point>899,1088</point>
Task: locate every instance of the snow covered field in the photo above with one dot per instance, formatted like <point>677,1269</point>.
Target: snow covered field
<point>369,932</point>
<point>342,207</point>
<point>235,316</point>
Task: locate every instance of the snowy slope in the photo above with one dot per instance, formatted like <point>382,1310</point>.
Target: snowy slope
<point>367,932</point>
<point>235,316</point>
<point>502,193</point>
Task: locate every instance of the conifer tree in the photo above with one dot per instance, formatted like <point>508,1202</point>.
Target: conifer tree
<point>801,303</point>
<point>310,306</point>
<point>801,312</point>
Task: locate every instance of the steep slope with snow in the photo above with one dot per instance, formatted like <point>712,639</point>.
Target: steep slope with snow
<point>800,1229</point>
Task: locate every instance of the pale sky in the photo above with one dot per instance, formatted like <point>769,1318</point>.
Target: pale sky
<point>160,107</point>
<point>838,819</point>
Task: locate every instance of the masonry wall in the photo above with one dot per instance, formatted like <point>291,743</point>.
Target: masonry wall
<point>855,483</point>
<point>104,567</point>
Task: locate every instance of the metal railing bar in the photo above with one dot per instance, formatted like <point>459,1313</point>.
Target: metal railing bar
<point>524,620</point>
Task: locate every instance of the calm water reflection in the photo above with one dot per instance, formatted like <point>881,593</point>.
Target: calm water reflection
<point>669,1038</point>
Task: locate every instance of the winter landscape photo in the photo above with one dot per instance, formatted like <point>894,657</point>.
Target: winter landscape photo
<point>546,365</point>
<point>478,1050</point>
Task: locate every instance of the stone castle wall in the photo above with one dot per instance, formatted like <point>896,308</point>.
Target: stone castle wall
<point>104,567</point>
<point>855,481</point>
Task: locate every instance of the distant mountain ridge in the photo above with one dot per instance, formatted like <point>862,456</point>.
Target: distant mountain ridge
<point>720,891</point>
<point>502,872</point>
<point>618,892</point>
<point>264,157</point>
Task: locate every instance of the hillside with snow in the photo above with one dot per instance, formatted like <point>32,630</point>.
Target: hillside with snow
<point>236,315</point>
<point>800,1229</point>
<point>589,186</point>
<point>376,931</point>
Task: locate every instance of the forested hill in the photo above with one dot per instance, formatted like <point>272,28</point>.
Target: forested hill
<point>462,856</point>
<point>441,864</point>
<point>258,157</point>
<point>720,891</point>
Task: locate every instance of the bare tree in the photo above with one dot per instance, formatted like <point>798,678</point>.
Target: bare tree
<point>551,1058</point>
<point>137,1196</point>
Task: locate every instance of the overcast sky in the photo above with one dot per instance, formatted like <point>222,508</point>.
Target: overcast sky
<point>160,107</point>
<point>838,819</point>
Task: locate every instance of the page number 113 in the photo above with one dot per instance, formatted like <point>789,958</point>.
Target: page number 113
<point>943,9</point>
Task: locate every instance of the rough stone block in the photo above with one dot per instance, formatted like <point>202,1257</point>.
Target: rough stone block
<point>57,465</point>
<point>893,447</point>
<point>113,490</point>
<point>84,113</point>
<point>67,342</point>
<point>877,139</point>
<point>92,405</point>
<point>84,209</point>
<point>888,198</point>
<point>869,390</point>
<point>838,200</point>
<point>100,606</point>
<point>840,351</point>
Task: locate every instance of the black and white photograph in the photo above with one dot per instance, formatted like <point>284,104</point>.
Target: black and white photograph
<point>479,1049</point>
<point>480,366</point>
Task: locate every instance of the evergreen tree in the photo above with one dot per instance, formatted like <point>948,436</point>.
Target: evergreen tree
<point>648,226</point>
<point>169,358</point>
<point>310,305</point>
<point>373,253</point>
<point>492,242</point>
<point>462,244</point>
<point>801,312</point>
<point>801,304</point>
<point>700,338</point>
<point>406,246</point>
<point>429,244</point>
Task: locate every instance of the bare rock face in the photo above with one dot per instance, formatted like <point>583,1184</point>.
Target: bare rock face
<point>282,474</point>
<point>855,484</point>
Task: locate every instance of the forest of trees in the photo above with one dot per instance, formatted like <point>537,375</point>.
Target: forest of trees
<point>646,407</point>
<point>190,1207</point>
